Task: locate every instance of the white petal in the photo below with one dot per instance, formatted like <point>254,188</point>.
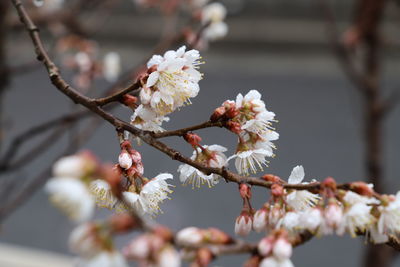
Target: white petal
<point>153,78</point>
<point>297,175</point>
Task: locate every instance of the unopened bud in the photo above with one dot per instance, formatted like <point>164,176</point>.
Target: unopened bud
<point>204,257</point>
<point>330,183</point>
<point>217,114</point>
<point>282,249</point>
<point>190,236</point>
<point>244,224</point>
<point>139,248</point>
<point>129,100</point>
<point>231,112</point>
<point>277,190</point>
<point>193,139</point>
<point>234,127</point>
<point>216,236</point>
<point>362,188</point>
<point>260,220</point>
<point>124,159</point>
<point>272,178</point>
<point>163,232</point>
<point>265,246</point>
<point>121,223</point>
<point>169,257</point>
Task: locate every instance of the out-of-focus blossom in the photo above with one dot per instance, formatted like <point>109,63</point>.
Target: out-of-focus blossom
<point>111,66</point>
<point>71,196</point>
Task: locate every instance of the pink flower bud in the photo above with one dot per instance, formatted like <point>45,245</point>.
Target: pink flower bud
<point>245,191</point>
<point>243,224</point>
<point>265,246</point>
<point>139,248</point>
<point>277,190</point>
<point>192,138</point>
<point>234,127</point>
<point>190,236</point>
<point>362,188</point>
<point>333,215</point>
<point>260,220</point>
<point>217,114</point>
<point>282,249</point>
<point>125,160</point>
<point>169,257</point>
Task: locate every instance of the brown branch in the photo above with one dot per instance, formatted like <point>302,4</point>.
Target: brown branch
<point>39,129</point>
<point>6,208</point>
<point>183,131</point>
<point>117,96</point>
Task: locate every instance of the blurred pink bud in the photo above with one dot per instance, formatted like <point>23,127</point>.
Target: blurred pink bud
<point>124,159</point>
<point>265,246</point>
<point>282,249</point>
<point>260,220</point>
<point>138,249</point>
<point>190,236</point>
<point>217,114</point>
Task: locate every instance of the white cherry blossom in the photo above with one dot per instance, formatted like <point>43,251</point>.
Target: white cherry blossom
<point>174,80</point>
<point>72,197</point>
<point>300,199</point>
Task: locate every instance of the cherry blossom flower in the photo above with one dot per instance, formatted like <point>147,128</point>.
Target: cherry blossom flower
<point>291,221</point>
<point>151,195</point>
<point>74,166</point>
<point>300,199</point>
<point>84,240</point>
<point>356,218</point>
<point>102,194</point>
<point>310,219</point>
<point>174,80</point>
<point>256,133</point>
<point>254,116</point>
<point>250,160</point>
<point>211,156</point>
<point>389,218</point>
<point>213,15</point>
<point>146,119</point>
<point>72,197</point>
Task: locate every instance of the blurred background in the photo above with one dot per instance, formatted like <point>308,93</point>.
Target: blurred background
<point>281,48</point>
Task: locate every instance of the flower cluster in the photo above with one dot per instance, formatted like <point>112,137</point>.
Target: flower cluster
<point>171,80</point>
<point>252,122</point>
<point>140,194</point>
